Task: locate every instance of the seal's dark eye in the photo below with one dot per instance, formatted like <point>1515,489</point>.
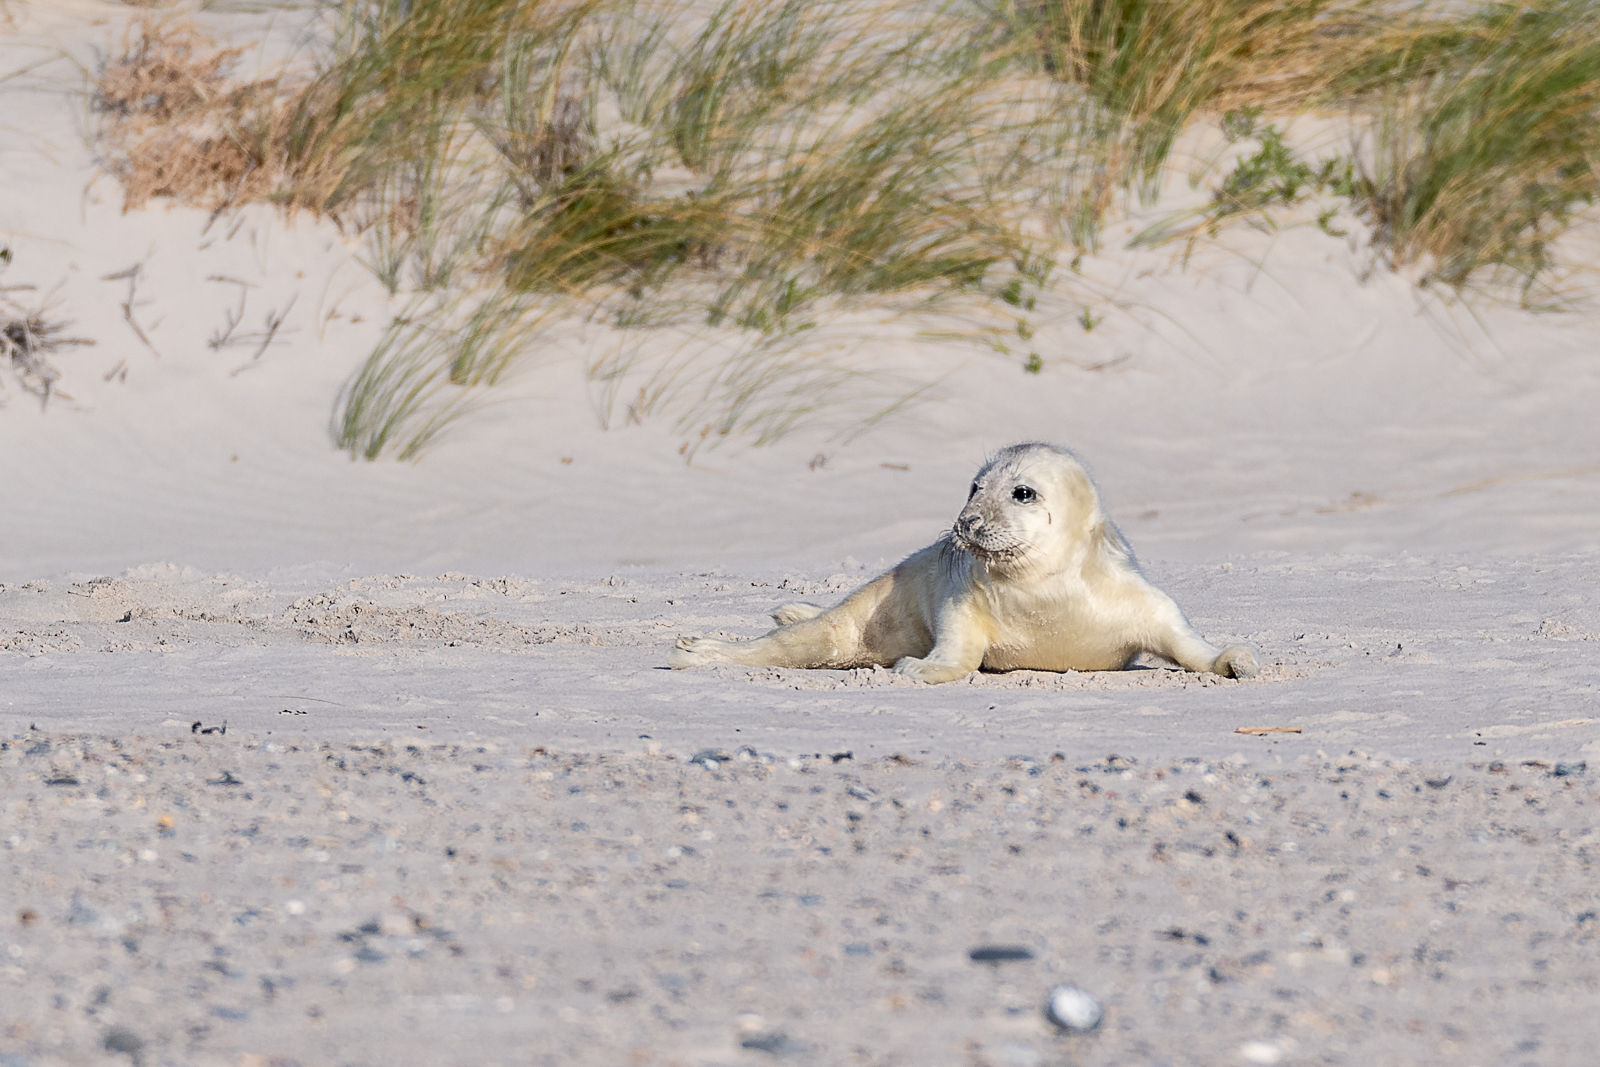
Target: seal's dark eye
<point>973,491</point>
<point>1022,494</point>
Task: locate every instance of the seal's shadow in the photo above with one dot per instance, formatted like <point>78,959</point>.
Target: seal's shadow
<point>1143,674</point>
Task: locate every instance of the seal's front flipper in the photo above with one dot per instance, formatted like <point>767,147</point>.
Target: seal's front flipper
<point>932,673</point>
<point>1236,661</point>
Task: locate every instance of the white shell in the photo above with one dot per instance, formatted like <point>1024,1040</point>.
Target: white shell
<point>1073,1009</point>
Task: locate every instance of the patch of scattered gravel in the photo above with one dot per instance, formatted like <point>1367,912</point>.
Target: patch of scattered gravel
<point>219,899</point>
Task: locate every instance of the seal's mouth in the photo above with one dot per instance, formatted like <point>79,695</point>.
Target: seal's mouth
<point>988,547</point>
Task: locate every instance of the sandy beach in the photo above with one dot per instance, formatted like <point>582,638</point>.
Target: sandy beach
<point>456,820</point>
<point>307,760</point>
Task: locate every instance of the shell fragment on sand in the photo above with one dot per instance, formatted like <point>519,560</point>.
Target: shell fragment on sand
<point>1073,1009</point>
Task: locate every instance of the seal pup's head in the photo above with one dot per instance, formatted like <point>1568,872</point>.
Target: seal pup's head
<point>1032,506</point>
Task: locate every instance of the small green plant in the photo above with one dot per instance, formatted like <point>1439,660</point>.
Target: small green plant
<point>1035,363</point>
<point>1089,320</point>
<point>1014,294</point>
<point>1273,177</point>
<point>1240,123</point>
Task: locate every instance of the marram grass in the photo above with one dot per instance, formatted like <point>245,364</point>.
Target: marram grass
<point>747,177</point>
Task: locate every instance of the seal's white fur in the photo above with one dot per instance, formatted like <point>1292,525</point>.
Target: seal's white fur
<point>1033,575</point>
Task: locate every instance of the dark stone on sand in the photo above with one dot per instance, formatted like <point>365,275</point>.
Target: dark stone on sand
<point>774,1043</point>
<point>999,954</point>
<point>121,1039</point>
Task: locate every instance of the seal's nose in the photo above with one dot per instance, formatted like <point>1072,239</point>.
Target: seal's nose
<point>969,523</point>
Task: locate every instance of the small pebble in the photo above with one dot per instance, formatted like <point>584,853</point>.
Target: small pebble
<point>1073,1009</point>
<point>121,1039</point>
<point>774,1043</point>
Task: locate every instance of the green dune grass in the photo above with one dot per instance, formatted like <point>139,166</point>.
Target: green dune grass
<point>740,180</point>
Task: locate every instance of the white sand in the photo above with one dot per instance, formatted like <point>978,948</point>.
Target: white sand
<point>1396,499</point>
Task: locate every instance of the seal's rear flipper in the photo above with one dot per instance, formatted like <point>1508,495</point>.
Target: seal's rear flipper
<point>697,652</point>
<point>796,613</point>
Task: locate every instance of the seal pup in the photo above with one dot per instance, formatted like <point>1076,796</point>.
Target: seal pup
<point>1033,576</point>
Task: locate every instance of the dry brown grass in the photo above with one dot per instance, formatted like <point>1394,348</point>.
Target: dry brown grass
<point>174,123</point>
<point>27,338</point>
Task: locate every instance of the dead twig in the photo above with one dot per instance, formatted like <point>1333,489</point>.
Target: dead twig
<point>131,275</point>
<point>228,200</point>
<point>223,338</point>
<point>274,324</point>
